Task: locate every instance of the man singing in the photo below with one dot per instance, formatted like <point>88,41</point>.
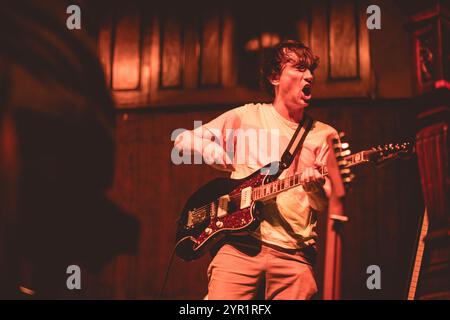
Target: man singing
<point>276,260</point>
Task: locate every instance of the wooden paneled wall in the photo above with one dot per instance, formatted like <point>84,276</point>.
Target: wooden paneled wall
<point>156,56</point>
<point>166,70</point>
<point>201,55</point>
<point>383,206</point>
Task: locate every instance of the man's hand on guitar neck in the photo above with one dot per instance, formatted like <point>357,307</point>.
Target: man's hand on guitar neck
<point>312,180</point>
<point>316,187</point>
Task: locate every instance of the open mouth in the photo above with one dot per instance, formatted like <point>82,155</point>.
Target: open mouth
<point>307,90</point>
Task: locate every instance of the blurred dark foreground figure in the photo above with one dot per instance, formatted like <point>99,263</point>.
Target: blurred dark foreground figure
<point>56,153</point>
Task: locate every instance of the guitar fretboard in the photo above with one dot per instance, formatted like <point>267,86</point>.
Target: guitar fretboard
<point>273,188</point>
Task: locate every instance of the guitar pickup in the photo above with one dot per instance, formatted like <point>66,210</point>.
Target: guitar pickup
<point>246,197</point>
<point>222,209</point>
<point>190,218</point>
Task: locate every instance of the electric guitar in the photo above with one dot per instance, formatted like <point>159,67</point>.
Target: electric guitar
<point>225,205</point>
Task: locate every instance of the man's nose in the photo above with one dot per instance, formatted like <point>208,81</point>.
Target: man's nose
<point>308,76</point>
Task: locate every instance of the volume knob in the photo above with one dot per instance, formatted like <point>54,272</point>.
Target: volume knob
<point>219,224</point>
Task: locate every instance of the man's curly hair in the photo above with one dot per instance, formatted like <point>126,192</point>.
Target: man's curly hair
<point>293,51</point>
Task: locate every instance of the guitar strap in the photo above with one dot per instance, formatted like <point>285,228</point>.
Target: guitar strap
<point>295,145</point>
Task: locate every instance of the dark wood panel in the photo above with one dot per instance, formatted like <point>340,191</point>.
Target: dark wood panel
<point>191,53</point>
<point>343,40</point>
<point>210,49</point>
<point>124,46</point>
<point>344,69</point>
<point>303,22</point>
<point>208,63</point>
<point>126,63</point>
<point>171,52</point>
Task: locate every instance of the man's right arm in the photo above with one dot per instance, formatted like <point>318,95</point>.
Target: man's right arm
<point>201,141</point>
<point>210,141</point>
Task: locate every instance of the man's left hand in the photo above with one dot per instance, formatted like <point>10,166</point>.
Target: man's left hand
<point>312,180</point>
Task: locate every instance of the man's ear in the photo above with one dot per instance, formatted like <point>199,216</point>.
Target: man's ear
<point>274,80</point>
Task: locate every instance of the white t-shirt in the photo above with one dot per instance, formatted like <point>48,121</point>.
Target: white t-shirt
<point>288,220</point>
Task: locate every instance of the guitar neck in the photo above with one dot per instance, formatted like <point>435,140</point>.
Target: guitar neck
<point>273,188</point>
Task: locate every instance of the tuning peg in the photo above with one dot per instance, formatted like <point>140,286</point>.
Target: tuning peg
<point>346,152</point>
<point>347,180</point>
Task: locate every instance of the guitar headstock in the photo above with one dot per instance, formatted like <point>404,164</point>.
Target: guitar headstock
<point>392,151</point>
<point>339,173</point>
<point>341,149</point>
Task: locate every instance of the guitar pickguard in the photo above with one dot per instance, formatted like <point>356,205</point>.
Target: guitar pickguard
<point>221,206</point>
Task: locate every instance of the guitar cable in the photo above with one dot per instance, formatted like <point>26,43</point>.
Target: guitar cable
<point>166,276</point>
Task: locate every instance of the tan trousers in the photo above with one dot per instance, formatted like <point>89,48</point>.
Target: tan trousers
<point>237,272</point>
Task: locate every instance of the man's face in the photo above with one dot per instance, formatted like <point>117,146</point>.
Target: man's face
<point>294,86</point>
